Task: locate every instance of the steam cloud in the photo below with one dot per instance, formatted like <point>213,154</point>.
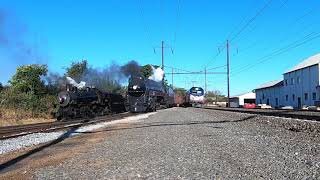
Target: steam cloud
<point>157,74</point>
<point>80,85</point>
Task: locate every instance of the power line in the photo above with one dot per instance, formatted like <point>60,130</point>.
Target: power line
<point>179,69</point>
<point>260,11</point>
<point>177,24</point>
<point>281,51</point>
<point>242,29</point>
<point>217,67</point>
<point>236,27</point>
<point>216,56</point>
<point>286,35</point>
<point>297,41</point>
<point>145,24</point>
<point>197,72</point>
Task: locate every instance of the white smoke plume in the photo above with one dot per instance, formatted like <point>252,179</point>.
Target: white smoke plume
<point>80,85</point>
<point>157,74</point>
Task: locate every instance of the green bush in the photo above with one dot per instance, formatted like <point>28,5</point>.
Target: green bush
<point>37,105</point>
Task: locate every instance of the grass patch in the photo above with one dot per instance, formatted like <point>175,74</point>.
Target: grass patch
<point>11,117</point>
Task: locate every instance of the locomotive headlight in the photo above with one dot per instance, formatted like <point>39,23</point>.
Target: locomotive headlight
<point>135,87</point>
<point>62,99</point>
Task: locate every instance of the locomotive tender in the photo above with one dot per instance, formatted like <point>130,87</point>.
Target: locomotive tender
<point>88,103</point>
<point>146,95</point>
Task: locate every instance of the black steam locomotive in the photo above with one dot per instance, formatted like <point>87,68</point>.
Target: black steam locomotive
<point>87,103</point>
<point>145,95</point>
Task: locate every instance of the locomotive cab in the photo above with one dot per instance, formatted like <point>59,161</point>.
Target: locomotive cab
<point>195,96</point>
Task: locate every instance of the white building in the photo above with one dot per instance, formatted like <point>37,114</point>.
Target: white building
<point>240,100</point>
<point>300,86</point>
<point>270,93</point>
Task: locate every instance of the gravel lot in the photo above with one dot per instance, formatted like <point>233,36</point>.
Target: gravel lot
<point>188,143</point>
<point>13,144</point>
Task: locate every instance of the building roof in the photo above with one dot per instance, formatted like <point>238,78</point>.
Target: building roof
<point>271,84</point>
<point>313,60</point>
<point>248,94</point>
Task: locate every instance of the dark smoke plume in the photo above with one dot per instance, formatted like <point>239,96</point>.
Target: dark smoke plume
<point>131,68</point>
<point>111,78</point>
<point>108,78</point>
<point>17,43</point>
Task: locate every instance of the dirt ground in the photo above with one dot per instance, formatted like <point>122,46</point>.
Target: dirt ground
<point>28,160</point>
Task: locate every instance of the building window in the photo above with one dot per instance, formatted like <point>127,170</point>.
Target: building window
<point>287,97</point>
<point>260,101</point>
<point>286,82</point>
<point>293,97</point>
<point>292,81</point>
<point>306,96</point>
<point>277,103</point>
<point>262,96</point>
<point>267,101</point>
<point>298,80</point>
<point>314,96</point>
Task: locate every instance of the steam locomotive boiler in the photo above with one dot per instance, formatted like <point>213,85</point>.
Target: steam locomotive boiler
<point>145,95</point>
<point>88,103</point>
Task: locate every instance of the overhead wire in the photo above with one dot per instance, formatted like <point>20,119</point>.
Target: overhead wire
<point>215,56</point>
<point>285,38</point>
<point>241,22</point>
<point>145,24</point>
<point>260,11</point>
<point>293,45</point>
<point>179,69</point>
<point>177,24</point>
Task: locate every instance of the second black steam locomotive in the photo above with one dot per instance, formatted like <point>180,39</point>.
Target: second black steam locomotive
<point>87,102</point>
<point>145,95</point>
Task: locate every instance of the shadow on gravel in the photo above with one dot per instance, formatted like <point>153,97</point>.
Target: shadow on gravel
<point>159,124</point>
<point>4,167</point>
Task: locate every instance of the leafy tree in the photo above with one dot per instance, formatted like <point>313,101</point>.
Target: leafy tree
<point>1,87</point>
<point>180,91</point>
<point>77,69</point>
<point>146,70</point>
<point>215,96</point>
<point>28,79</point>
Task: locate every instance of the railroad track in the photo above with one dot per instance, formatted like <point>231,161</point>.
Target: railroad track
<point>299,114</point>
<point>16,131</point>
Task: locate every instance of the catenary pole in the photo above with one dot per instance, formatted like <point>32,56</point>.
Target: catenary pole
<point>228,72</point>
<point>162,56</point>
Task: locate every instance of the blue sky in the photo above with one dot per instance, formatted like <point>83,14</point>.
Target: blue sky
<point>59,32</point>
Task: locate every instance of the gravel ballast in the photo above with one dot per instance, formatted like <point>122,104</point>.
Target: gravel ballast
<point>13,144</point>
<point>190,143</point>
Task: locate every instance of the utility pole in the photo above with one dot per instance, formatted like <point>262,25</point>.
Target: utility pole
<point>162,51</point>
<point>228,72</point>
<point>205,80</point>
<point>172,78</point>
